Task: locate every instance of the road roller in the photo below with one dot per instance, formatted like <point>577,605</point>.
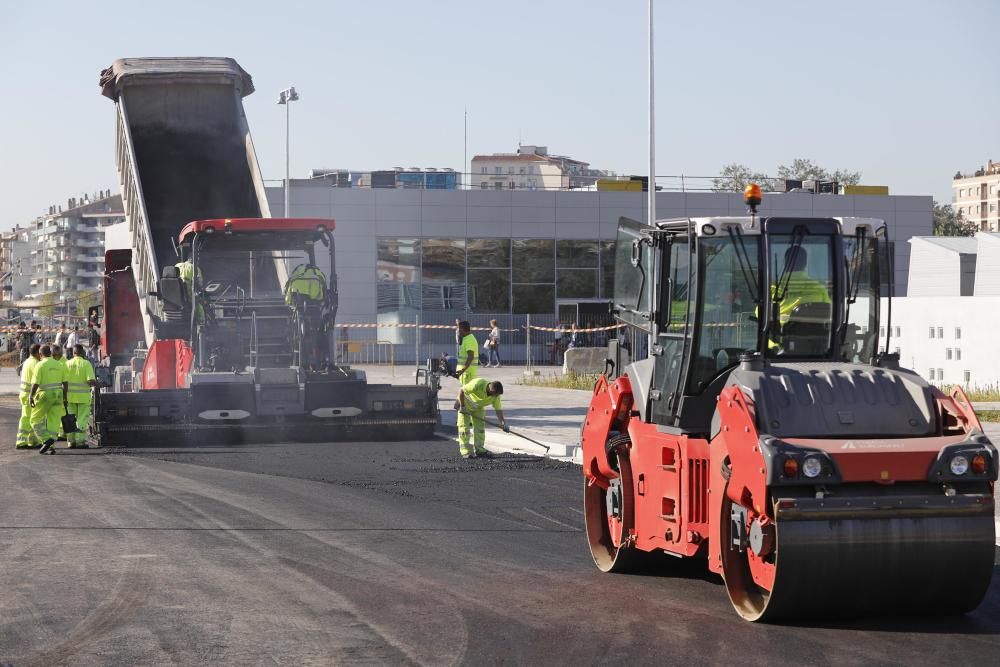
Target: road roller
<point>762,424</point>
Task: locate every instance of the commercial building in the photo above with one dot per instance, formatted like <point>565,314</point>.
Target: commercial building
<point>977,196</point>
<point>437,255</point>
<point>67,245</point>
<point>945,328</point>
<point>532,168</point>
<point>422,178</point>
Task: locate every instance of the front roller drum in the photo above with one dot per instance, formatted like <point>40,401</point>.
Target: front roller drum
<point>848,567</point>
<point>609,515</point>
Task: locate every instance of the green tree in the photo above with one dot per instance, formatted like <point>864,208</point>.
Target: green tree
<point>85,300</point>
<point>802,169</point>
<point>736,177</point>
<point>949,222</point>
<point>48,304</point>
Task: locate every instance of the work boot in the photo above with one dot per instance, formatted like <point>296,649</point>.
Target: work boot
<point>485,453</point>
<point>46,446</point>
<point>24,446</point>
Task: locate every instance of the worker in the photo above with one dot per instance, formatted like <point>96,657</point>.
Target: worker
<point>473,398</point>
<point>802,289</point>
<point>468,353</point>
<point>307,280</point>
<point>187,273</point>
<point>26,438</point>
<point>81,380</point>
<point>48,386</point>
<point>57,354</point>
<point>306,293</point>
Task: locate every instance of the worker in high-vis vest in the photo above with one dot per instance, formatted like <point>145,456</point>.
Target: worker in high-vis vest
<point>57,354</point>
<point>468,353</point>
<point>48,398</point>
<point>81,380</point>
<point>25,436</point>
<point>473,398</point>
<point>307,280</point>
<point>188,275</point>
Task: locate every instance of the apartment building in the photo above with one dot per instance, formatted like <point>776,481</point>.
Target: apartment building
<point>532,168</point>
<point>67,245</point>
<point>977,196</point>
<point>15,264</point>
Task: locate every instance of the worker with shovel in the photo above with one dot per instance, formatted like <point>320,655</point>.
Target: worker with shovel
<point>473,398</point>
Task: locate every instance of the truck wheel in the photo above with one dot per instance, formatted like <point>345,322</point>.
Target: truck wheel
<point>610,515</point>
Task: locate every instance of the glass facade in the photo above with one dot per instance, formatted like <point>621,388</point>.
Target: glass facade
<point>516,276</point>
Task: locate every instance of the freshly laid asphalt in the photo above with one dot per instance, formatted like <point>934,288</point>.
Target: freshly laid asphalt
<point>379,553</point>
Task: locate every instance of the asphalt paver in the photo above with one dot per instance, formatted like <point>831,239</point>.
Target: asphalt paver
<point>384,553</point>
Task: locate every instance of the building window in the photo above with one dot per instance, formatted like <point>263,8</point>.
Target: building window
<point>484,186</point>
<point>484,170</point>
<point>498,170</point>
<point>498,186</point>
<point>521,170</point>
<point>930,330</point>
<point>958,333</point>
<point>958,354</point>
<point>940,332</point>
<point>930,374</point>
<point>896,332</point>
<point>896,351</point>
<point>947,353</point>
<point>510,170</point>
<point>940,374</point>
<point>881,331</point>
<point>966,376</point>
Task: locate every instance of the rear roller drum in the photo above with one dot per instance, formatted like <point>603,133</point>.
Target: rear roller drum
<point>854,566</point>
<point>610,514</point>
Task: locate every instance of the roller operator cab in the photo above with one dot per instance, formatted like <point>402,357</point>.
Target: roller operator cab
<point>768,430</point>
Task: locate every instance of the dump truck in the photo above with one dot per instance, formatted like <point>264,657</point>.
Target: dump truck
<point>220,349</point>
<point>770,432</point>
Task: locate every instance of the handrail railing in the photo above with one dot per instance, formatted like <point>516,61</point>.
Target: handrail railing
<point>145,267</point>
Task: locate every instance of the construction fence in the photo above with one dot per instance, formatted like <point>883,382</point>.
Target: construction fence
<point>525,340</point>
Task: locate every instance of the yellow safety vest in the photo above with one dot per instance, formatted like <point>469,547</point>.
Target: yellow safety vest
<point>306,280</point>
<point>49,374</point>
<point>185,270</point>
<point>78,372</point>
<point>476,397</point>
<point>26,370</point>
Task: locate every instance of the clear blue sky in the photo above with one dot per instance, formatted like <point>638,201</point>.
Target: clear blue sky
<point>906,92</point>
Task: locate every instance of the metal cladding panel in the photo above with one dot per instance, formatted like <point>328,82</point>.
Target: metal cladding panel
<point>347,393</point>
<point>838,400</point>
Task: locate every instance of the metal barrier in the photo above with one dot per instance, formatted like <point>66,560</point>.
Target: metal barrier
<point>372,352</point>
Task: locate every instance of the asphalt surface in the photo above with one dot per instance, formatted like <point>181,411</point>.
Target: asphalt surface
<point>384,553</point>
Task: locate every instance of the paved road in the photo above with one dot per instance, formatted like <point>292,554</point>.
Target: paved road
<point>377,553</point>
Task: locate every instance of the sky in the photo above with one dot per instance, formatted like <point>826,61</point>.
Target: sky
<point>905,92</point>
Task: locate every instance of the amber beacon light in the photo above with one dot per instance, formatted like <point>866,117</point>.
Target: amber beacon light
<point>752,196</point>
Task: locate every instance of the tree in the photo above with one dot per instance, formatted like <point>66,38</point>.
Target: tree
<point>736,177</point>
<point>802,169</point>
<point>85,300</point>
<point>47,305</point>
<point>949,222</point>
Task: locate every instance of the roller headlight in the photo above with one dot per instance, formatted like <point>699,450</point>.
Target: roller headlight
<point>812,467</point>
<point>958,465</point>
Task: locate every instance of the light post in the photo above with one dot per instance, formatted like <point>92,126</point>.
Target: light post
<point>286,97</point>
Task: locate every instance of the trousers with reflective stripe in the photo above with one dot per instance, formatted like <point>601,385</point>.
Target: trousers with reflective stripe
<point>25,436</point>
<point>46,416</point>
<point>476,421</point>
<point>82,413</point>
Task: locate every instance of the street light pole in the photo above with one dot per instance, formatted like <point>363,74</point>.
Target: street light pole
<point>286,97</point>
